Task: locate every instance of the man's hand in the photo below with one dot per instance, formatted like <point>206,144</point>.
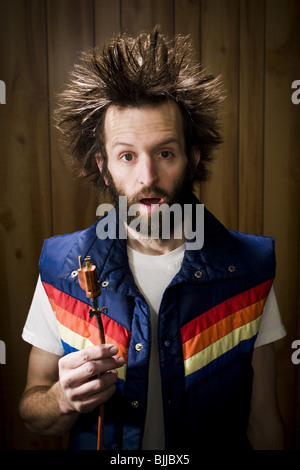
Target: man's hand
<point>59,389</point>
<point>87,378</point>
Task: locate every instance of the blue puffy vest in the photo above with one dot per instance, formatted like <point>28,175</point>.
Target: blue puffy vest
<point>208,322</point>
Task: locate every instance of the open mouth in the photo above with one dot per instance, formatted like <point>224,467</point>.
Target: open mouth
<point>150,204</point>
<point>148,201</point>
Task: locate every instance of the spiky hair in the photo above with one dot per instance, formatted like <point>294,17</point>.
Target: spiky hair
<point>132,72</point>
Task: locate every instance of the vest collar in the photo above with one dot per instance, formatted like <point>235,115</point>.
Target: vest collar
<point>219,258</point>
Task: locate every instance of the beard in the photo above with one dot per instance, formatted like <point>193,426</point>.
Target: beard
<point>147,224</point>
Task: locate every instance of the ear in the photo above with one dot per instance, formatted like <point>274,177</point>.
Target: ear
<point>99,161</point>
<point>196,154</point>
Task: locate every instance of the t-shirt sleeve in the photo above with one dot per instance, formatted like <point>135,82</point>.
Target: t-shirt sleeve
<point>40,329</point>
<point>271,327</point>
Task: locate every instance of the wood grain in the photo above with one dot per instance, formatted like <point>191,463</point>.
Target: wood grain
<point>187,22</point>
<point>251,116</point>
<point>255,184</point>
<point>281,183</point>
<point>143,15</point>
<point>70,26</point>
<point>107,20</point>
<point>219,53</point>
<point>25,193</point>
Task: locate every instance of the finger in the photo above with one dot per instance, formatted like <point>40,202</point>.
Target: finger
<point>75,377</point>
<point>76,359</point>
<point>94,386</point>
<point>90,403</point>
<point>100,366</point>
<point>93,393</point>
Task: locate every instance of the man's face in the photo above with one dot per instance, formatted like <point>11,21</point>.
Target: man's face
<point>146,158</point>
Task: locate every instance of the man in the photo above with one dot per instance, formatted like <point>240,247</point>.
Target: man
<point>185,327</point>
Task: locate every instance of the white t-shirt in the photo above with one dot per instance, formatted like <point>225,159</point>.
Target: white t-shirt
<point>152,275</point>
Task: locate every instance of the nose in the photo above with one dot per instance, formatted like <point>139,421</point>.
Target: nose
<point>147,171</point>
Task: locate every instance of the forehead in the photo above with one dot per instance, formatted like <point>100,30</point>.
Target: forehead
<point>143,120</point>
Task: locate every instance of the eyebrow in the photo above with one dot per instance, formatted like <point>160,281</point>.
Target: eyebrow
<point>124,144</point>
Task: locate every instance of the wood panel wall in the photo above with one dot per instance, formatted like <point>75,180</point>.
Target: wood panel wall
<point>255,183</point>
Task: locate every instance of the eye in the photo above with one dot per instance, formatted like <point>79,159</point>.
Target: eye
<point>165,154</point>
<point>127,157</point>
